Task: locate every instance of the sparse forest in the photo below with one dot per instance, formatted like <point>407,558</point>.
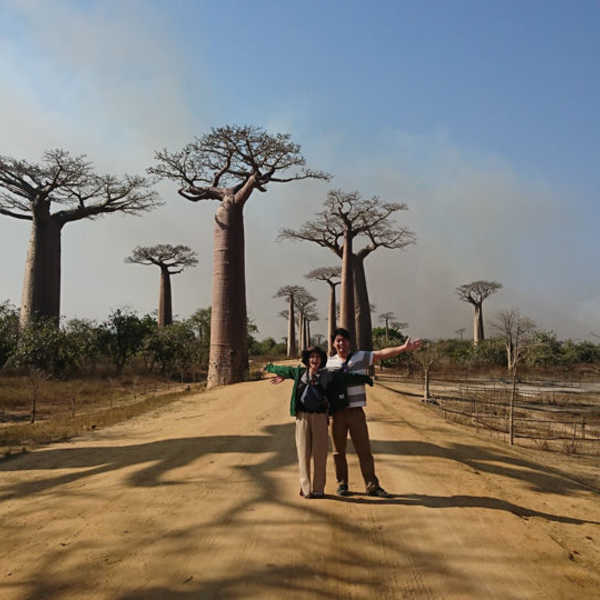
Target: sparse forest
<point>220,344</point>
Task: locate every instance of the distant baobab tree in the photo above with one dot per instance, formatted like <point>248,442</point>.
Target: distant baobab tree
<point>306,312</point>
<point>171,260</point>
<point>475,293</point>
<point>310,316</point>
<point>290,292</point>
<point>386,318</point>
<point>227,165</point>
<point>331,276</point>
<point>461,332</point>
<point>29,191</point>
<point>345,217</point>
<point>318,338</point>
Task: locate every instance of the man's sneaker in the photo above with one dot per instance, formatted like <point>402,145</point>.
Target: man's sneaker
<point>379,492</point>
<point>343,490</point>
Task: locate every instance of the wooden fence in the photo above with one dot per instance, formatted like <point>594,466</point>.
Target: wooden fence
<point>545,412</point>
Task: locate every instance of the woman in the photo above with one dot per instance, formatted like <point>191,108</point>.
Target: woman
<point>314,393</point>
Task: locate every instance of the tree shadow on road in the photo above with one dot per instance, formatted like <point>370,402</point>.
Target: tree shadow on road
<point>164,456</point>
<point>365,568</point>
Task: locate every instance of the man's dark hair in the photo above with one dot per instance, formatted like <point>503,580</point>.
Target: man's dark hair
<point>341,331</point>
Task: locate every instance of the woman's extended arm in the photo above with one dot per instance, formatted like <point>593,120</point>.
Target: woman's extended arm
<point>281,370</point>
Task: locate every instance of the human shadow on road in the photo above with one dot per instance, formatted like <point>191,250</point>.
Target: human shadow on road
<point>460,501</point>
<point>539,477</point>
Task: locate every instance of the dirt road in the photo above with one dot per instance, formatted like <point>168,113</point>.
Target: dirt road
<point>200,500</point>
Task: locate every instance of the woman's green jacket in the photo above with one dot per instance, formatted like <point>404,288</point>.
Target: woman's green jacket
<point>333,382</point>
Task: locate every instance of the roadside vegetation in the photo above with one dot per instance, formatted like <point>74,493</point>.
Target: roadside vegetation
<point>56,382</point>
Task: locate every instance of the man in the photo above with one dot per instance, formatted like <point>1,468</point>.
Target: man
<point>352,417</point>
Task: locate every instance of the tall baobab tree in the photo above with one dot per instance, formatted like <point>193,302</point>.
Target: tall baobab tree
<point>346,216</point>
<point>310,316</point>
<point>386,318</point>
<point>29,191</point>
<point>306,309</point>
<point>171,260</point>
<point>475,293</point>
<point>331,276</point>
<point>227,165</point>
<point>290,292</point>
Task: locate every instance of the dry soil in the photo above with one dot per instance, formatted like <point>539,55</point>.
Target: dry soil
<point>200,500</point>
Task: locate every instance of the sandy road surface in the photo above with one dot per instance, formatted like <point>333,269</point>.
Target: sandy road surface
<point>199,500</point>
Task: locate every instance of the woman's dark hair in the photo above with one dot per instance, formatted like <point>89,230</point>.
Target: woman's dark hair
<point>314,350</point>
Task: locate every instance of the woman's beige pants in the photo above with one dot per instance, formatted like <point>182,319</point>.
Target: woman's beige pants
<point>312,441</point>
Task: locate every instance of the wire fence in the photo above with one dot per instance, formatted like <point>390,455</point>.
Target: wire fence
<point>550,415</point>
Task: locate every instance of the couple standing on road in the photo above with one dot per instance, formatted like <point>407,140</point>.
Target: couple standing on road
<point>336,387</point>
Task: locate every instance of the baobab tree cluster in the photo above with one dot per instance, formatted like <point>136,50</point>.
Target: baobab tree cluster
<point>226,165</point>
<point>353,227</point>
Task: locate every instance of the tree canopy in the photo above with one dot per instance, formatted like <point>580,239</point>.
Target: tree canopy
<point>233,159</point>
<point>173,258</point>
<point>70,183</point>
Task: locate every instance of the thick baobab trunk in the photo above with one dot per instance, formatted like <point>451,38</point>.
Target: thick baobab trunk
<point>347,316</point>
<point>165,307</point>
<point>308,342</point>
<point>362,307</point>
<point>292,351</point>
<point>478,324</point>
<point>41,285</point>
<point>302,331</point>
<point>228,359</point>
<point>331,321</point>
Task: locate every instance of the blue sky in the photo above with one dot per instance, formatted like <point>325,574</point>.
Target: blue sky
<point>482,116</point>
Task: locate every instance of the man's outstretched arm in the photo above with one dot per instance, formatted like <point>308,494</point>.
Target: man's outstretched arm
<point>408,346</point>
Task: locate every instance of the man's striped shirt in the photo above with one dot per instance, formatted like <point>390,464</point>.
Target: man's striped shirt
<point>358,364</point>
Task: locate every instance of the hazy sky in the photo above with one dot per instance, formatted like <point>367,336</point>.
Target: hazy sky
<point>481,116</point>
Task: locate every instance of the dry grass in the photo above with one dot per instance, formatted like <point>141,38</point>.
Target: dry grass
<point>67,408</point>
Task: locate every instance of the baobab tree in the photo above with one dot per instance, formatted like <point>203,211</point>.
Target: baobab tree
<point>305,307</point>
<point>461,332</point>
<point>346,216</point>
<point>397,325</point>
<point>29,191</point>
<point>475,293</point>
<point>171,260</point>
<point>331,276</point>
<point>227,165</point>
<point>290,292</point>
<point>387,319</point>
<point>310,316</point>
